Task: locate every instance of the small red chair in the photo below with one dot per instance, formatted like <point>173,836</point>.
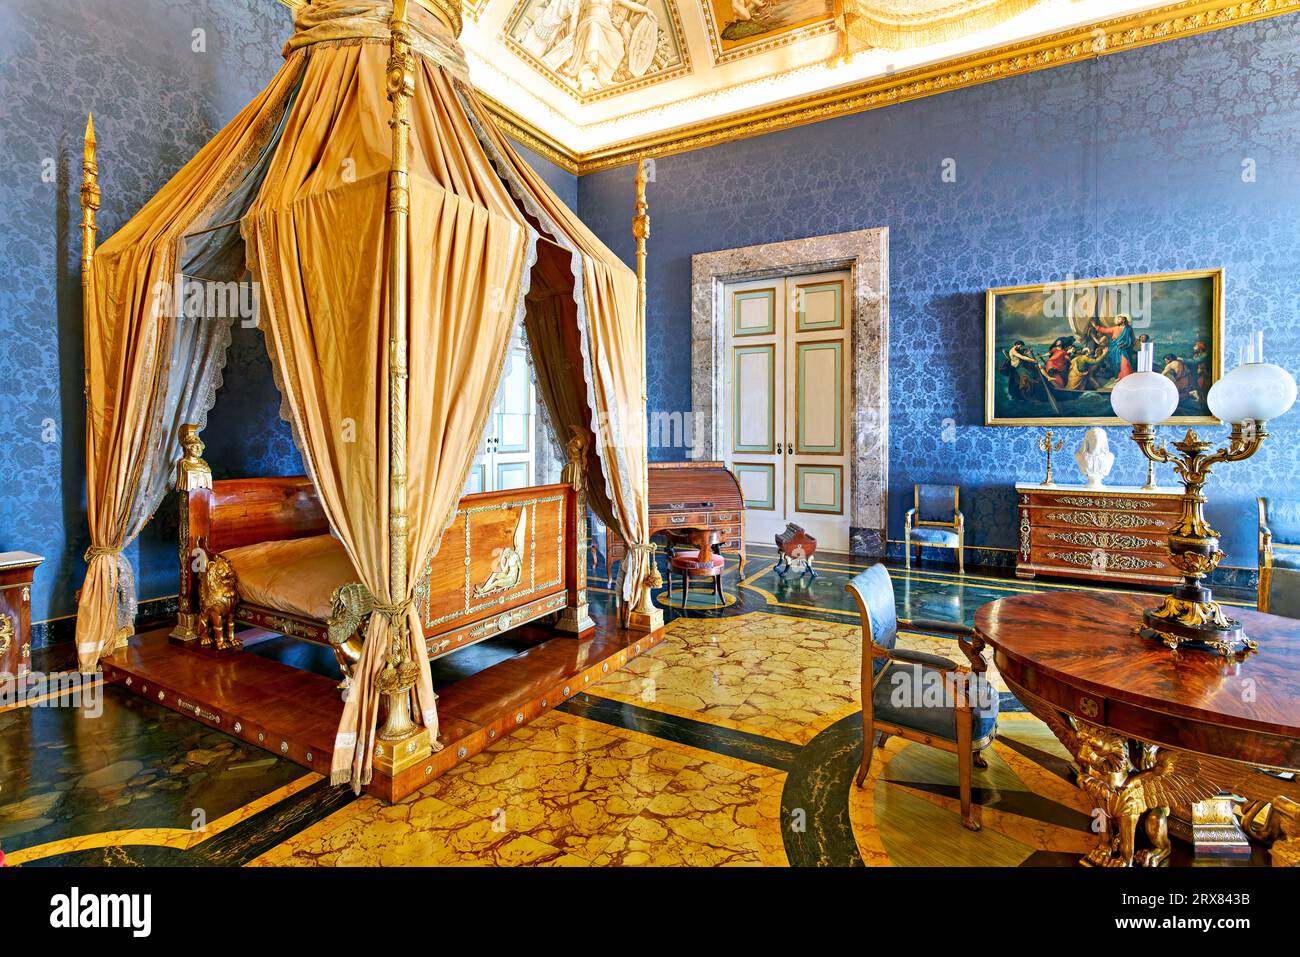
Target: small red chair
<point>689,566</point>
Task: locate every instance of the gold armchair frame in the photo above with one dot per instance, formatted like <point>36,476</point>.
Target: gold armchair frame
<point>1265,555</point>
<point>958,525</point>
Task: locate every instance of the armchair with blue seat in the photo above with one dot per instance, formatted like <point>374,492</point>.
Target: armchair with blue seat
<point>898,687</point>
<point>934,520</point>
<point>1279,556</point>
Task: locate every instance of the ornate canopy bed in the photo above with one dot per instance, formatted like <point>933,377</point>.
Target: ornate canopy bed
<point>267,559</point>
<point>396,241</point>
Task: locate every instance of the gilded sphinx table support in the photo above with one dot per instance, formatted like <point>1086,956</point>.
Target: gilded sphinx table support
<point>1153,730</point>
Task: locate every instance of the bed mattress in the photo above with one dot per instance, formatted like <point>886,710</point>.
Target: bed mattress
<point>296,576</point>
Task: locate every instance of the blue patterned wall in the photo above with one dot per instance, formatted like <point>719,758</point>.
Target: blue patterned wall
<point>156,101</point>
<point>1131,163</point>
<point>564,183</point>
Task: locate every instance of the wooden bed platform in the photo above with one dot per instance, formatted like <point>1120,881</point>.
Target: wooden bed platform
<point>295,713</point>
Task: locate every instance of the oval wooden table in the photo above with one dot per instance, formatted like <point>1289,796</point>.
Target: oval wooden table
<point>1150,728</point>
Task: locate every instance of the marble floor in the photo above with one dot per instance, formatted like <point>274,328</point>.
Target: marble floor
<point>732,743</point>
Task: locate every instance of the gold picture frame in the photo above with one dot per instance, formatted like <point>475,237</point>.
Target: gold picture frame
<point>1177,311</point>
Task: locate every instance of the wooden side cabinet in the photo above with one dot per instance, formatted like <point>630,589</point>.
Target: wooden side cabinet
<point>1114,533</point>
<point>16,571</point>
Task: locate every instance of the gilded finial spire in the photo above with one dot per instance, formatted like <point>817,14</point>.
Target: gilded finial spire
<point>89,198</point>
<point>641,232</point>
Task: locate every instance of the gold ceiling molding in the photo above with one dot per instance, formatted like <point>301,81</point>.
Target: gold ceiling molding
<point>522,131</point>
<point>1183,19</point>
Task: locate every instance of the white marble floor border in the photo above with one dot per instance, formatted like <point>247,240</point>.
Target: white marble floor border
<point>865,253</point>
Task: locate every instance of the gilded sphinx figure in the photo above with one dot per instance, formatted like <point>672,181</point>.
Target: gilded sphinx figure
<point>1129,792</point>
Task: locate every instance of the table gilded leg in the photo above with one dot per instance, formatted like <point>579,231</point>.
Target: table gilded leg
<point>1286,846</point>
<point>1129,782</point>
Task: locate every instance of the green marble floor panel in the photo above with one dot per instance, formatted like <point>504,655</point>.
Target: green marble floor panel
<point>124,764</point>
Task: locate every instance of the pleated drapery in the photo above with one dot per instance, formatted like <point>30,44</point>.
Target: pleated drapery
<point>317,238</point>
<point>612,351</point>
<point>146,371</point>
<point>314,222</point>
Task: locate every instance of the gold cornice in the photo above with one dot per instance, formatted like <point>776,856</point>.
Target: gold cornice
<point>1171,22</point>
<point>519,129</point>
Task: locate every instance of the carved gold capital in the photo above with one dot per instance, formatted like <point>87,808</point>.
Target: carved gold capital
<point>191,471</point>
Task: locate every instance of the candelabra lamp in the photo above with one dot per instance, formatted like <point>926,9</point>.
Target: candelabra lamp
<point>1246,398</point>
<point>1045,445</point>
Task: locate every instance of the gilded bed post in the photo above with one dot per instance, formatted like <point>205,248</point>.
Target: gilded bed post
<point>646,617</point>
<point>89,207</point>
<point>576,617</point>
<point>193,478</point>
<point>89,201</point>
<point>398,676</point>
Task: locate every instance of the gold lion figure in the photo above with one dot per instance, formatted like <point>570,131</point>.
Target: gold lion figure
<point>217,605</point>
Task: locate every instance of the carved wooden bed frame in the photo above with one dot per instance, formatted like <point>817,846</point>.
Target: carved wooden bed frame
<point>459,596</point>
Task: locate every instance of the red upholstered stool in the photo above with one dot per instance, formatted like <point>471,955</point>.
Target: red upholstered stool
<point>679,551</point>
<point>692,567</point>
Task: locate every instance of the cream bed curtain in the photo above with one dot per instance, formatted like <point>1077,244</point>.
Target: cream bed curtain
<point>147,371</point>
<point>611,343</point>
<point>315,234</point>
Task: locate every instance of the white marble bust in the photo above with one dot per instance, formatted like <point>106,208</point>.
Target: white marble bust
<point>1094,456</point>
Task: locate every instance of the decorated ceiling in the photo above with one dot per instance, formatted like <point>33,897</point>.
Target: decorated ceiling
<point>592,82</point>
<point>591,73</point>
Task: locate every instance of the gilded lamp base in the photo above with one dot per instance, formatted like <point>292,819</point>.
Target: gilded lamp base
<point>1196,625</point>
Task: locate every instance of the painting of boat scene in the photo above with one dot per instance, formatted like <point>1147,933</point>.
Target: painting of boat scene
<point>1055,351</point>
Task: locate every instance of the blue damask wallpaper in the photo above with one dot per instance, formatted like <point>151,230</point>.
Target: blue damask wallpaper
<point>161,77</point>
<point>1181,155</point>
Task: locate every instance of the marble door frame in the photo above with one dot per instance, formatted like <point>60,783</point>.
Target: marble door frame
<point>865,253</point>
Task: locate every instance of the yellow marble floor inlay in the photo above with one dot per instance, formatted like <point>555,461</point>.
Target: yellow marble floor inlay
<point>707,816</point>
<point>563,791</point>
<point>898,820</point>
<point>781,677</point>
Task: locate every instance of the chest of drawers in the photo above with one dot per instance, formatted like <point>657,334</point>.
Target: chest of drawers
<point>1116,533</point>
<point>16,569</point>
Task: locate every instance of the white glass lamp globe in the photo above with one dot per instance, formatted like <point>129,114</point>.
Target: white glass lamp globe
<point>1214,399</point>
<point>1144,398</point>
<point>1254,390</point>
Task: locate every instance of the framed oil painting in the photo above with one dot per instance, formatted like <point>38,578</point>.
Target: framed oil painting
<point>1053,352</point>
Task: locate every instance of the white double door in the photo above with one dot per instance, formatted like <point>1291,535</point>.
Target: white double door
<point>789,405</point>
<point>508,459</point>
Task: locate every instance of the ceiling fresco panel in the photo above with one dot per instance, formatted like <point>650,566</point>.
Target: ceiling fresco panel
<point>597,48</point>
<point>740,28</point>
